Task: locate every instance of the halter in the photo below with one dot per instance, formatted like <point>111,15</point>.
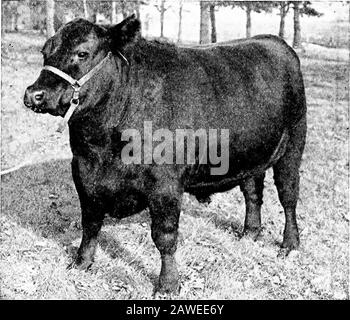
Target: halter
<point>76,85</point>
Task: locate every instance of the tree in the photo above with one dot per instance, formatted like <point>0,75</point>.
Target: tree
<point>204,23</point>
<point>212,19</point>
<point>7,11</point>
<point>114,12</point>
<point>137,5</point>
<point>124,8</point>
<point>179,33</point>
<point>50,17</point>
<point>2,20</point>
<point>297,29</point>
<point>212,22</point>
<point>308,10</point>
<point>305,9</point>
<point>86,12</point>
<point>109,9</point>
<point>5,5</point>
<point>9,15</point>
<point>248,28</point>
<point>284,8</point>
<point>160,6</point>
<point>256,6</point>
<point>249,7</point>
<point>134,6</point>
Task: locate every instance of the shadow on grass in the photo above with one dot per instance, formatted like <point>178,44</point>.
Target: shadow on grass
<point>221,218</point>
<point>43,198</point>
<point>115,250</point>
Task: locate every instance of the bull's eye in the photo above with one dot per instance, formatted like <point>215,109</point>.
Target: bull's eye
<point>83,55</point>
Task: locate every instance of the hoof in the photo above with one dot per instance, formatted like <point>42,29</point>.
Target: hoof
<point>251,233</point>
<point>283,253</point>
<point>80,265</point>
<point>168,287</point>
<point>291,243</point>
<point>165,296</point>
<point>287,247</point>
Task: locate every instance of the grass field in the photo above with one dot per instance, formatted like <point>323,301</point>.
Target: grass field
<point>40,215</point>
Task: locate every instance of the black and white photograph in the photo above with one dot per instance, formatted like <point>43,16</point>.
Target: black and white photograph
<point>174,150</point>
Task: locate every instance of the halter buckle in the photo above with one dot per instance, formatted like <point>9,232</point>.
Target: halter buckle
<point>75,98</point>
<point>74,102</point>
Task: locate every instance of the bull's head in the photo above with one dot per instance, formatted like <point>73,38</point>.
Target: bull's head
<point>76,50</point>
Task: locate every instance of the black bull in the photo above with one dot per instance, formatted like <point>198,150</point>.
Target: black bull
<point>252,87</point>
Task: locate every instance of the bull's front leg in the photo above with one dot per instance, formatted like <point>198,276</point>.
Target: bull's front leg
<point>165,206</point>
<point>92,221</point>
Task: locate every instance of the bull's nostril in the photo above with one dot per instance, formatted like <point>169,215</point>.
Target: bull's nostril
<point>39,96</point>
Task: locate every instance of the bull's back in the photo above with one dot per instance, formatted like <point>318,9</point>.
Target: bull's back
<point>238,79</point>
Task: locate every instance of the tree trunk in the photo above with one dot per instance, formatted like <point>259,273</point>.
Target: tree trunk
<point>162,11</point>
<point>204,23</point>
<point>13,22</point>
<point>146,24</point>
<point>16,20</point>
<point>94,17</point>
<point>114,12</point>
<point>50,14</point>
<point>123,7</point>
<point>86,13</point>
<point>213,23</point>
<point>137,9</point>
<point>248,29</point>
<point>297,30</point>
<point>180,22</point>
<point>283,13</point>
<point>3,23</point>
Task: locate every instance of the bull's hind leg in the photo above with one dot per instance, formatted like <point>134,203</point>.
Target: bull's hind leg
<point>165,206</point>
<point>252,189</point>
<point>286,176</point>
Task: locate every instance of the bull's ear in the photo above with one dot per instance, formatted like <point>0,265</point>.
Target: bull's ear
<point>125,32</point>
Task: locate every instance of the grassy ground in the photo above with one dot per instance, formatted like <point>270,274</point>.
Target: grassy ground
<point>40,217</point>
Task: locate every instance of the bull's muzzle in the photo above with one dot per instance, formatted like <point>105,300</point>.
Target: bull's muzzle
<point>35,99</point>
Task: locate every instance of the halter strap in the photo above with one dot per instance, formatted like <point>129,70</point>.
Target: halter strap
<point>60,73</point>
<point>76,85</point>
